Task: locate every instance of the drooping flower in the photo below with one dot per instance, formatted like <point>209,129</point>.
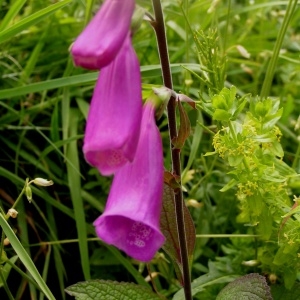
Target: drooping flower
<point>113,123</point>
<point>103,37</point>
<point>131,217</point>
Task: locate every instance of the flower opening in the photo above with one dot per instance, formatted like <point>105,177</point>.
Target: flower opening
<point>132,214</point>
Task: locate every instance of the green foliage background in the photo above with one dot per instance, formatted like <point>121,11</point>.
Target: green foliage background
<point>44,102</point>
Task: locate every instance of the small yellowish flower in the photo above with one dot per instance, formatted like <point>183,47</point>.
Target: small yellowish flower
<point>12,213</point>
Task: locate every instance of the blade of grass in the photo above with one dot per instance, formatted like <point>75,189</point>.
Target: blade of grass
<point>59,265</point>
<point>32,60</point>
<point>265,90</point>
<point>75,190</point>
<point>31,20</point>
<point>88,11</point>
<point>46,269</point>
<point>13,11</point>
<point>147,71</point>
<point>24,238</point>
<point>7,268</point>
<point>24,257</point>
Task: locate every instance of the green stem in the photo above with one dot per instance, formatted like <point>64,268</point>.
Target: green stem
<point>23,274</point>
<point>273,61</point>
<point>296,159</point>
<point>18,199</point>
<point>8,292</point>
<point>159,29</point>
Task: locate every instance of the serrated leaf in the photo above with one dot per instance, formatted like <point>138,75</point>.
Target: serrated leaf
<point>184,128</point>
<point>109,290</point>
<point>249,287</point>
<point>168,226</point>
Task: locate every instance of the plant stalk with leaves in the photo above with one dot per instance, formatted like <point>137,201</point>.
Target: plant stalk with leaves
<point>159,29</point>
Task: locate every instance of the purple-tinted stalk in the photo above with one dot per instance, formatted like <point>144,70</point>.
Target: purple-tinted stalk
<point>113,123</point>
<point>103,37</point>
<point>132,213</point>
<point>159,29</point>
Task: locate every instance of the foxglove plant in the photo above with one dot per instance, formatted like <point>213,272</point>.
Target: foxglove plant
<point>131,217</point>
<point>113,123</point>
<point>101,40</point>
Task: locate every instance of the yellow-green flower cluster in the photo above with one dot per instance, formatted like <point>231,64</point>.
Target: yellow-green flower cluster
<point>242,145</point>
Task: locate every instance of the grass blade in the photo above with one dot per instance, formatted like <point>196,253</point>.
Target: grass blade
<point>31,20</point>
<point>24,257</point>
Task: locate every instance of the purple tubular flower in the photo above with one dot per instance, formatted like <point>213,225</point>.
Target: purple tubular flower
<point>131,217</point>
<point>103,37</point>
<point>114,119</point>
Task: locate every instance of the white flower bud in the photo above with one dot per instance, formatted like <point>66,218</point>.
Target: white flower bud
<point>6,242</point>
<point>243,52</point>
<point>251,263</point>
<point>42,182</point>
<point>12,213</point>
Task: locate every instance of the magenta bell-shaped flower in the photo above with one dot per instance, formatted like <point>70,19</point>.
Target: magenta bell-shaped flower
<point>103,37</point>
<point>132,214</point>
<point>114,118</point>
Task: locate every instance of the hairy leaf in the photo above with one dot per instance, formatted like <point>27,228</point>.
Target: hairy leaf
<point>109,290</point>
<point>168,225</point>
<point>249,287</point>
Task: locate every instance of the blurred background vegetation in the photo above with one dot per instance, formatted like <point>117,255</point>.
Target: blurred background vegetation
<point>44,102</point>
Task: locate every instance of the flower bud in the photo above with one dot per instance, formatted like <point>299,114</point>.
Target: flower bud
<point>42,182</point>
<point>251,263</point>
<point>6,242</point>
<point>28,193</point>
<point>12,213</point>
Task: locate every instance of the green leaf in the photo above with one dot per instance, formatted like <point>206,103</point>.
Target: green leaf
<point>219,102</point>
<point>279,292</point>
<point>229,185</point>
<point>276,149</point>
<point>235,160</point>
<point>249,287</point>
<point>110,290</point>
<point>168,226</point>
<point>221,115</point>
